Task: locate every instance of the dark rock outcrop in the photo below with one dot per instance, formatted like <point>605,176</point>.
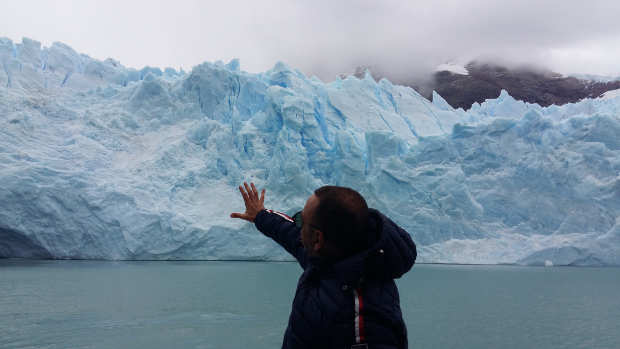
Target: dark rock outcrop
<point>486,80</point>
<point>527,84</point>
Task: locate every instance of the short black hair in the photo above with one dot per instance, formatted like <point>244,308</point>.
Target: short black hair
<point>342,215</point>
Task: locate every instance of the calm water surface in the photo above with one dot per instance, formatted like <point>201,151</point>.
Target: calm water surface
<point>92,304</point>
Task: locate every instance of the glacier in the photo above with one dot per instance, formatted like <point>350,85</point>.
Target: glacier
<point>100,161</point>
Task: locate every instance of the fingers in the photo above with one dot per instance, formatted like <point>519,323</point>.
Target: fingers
<point>248,190</point>
<point>251,190</point>
<point>253,204</point>
<point>245,196</point>
<point>254,191</point>
<point>250,193</point>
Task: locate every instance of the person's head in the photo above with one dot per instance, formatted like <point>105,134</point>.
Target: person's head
<point>334,222</point>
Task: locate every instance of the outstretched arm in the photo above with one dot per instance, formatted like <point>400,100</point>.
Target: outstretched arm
<point>275,225</point>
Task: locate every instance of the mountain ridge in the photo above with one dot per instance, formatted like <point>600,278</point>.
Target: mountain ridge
<point>485,80</point>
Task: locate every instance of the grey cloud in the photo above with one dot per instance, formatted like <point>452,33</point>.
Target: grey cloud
<point>400,38</point>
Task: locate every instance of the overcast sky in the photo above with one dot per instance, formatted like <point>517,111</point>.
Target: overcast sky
<point>328,37</point>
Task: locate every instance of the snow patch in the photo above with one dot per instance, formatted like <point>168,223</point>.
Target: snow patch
<point>611,94</point>
<point>453,68</point>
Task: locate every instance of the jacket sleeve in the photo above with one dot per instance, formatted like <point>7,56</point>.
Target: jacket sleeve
<point>282,230</point>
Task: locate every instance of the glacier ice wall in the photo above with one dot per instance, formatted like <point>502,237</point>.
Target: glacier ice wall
<point>101,161</point>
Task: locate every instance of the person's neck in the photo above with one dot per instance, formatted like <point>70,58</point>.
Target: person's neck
<point>331,254</point>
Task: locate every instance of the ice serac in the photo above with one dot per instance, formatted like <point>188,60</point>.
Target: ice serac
<point>101,161</point>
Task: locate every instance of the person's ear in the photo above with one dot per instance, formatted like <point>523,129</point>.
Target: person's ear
<point>319,241</point>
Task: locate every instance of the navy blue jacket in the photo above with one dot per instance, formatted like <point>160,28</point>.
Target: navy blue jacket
<point>352,301</point>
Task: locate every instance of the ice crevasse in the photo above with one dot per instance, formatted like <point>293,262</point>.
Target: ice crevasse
<point>102,161</point>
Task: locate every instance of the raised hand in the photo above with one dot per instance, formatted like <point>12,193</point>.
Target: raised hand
<point>253,204</point>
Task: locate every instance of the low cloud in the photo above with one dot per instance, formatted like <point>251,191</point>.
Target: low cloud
<point>325,38</point>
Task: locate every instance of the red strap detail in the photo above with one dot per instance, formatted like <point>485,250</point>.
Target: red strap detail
<point>359,295</point>
<point>283,215</point>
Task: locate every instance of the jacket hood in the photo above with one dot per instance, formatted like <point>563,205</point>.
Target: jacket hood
<point>392,254</point>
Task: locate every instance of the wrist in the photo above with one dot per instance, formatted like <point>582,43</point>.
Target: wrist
<point>258,213</point>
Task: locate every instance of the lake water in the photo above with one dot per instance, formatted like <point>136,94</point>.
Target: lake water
<point>93,304</point>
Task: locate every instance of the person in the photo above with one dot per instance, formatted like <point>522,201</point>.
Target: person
<point>350,254</point>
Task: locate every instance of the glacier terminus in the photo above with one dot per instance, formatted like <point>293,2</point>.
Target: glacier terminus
<point>100,161</point>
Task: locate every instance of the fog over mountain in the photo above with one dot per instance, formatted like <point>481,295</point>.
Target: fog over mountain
<point>326,38</point>
<point>477,81</point>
